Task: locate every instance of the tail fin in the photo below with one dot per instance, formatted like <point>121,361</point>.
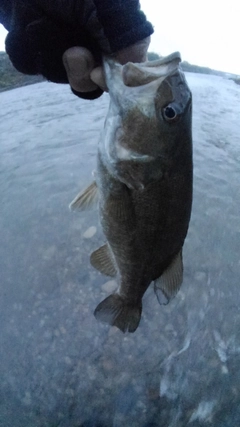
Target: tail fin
<point>116,312</point>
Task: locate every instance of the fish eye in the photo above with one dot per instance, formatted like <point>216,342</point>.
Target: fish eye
<point>169,114</point>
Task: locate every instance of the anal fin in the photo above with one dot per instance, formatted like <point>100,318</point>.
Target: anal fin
<point>86,199</point>
<point>169,283</point>
<point>102,260</point>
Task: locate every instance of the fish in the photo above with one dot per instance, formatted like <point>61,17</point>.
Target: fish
<point>143,185</point>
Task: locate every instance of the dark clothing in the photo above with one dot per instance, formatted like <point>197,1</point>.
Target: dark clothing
<point>41,30</point>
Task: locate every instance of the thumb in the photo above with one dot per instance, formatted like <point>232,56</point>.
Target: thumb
<point>97,76</point>
<point>79,63</point>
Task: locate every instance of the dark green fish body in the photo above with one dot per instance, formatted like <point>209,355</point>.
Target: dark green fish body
<point>144,179</point>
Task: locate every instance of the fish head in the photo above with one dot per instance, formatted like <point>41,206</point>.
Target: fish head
<point>149,119</point>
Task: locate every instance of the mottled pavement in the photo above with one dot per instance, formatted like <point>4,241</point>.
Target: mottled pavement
<point>58,365</point>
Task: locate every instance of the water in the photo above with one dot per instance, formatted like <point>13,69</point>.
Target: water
<point>59,366</point>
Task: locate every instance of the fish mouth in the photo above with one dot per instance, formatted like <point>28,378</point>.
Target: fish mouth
<point>139,74</point>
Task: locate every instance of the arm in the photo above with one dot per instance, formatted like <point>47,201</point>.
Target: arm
<point>40,31</point>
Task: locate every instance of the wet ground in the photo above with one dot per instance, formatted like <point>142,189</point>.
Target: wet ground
<point>58,365</point>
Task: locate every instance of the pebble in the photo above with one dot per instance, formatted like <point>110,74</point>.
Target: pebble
<point>224,370</point>
<point>27,398</point>
<point>68,360</point>
<point>109,286</point>
<point>49,252</point>
<point>200,276</point>
<point>113,331</point>
<point>107,365</point>
<point>69,392</point>
<point>89,233</point>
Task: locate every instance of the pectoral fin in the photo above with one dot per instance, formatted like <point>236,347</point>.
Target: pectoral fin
<point>102,260</point>
<point>168,284</point>
<point>86,199</point>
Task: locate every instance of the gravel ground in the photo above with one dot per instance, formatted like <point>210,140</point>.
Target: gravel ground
<point>59,366</point>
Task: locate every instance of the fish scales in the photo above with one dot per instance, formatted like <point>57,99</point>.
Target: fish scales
<point>144,181</point>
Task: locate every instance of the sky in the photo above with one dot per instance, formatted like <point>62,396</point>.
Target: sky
<point>206,32</point>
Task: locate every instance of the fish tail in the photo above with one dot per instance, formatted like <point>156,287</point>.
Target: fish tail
<point>116,312</point>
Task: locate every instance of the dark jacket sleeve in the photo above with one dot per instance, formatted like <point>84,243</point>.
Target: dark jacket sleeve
<point>41,30</point>
<point>5,13</point>
<point>123,23</point>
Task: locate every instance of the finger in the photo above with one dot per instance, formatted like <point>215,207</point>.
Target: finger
<point>135,53</point>
<point>79,62</point>
<point>97,76</point>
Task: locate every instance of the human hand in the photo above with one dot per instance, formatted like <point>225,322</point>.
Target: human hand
<point>84,75</point>
<point>42,34</point>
